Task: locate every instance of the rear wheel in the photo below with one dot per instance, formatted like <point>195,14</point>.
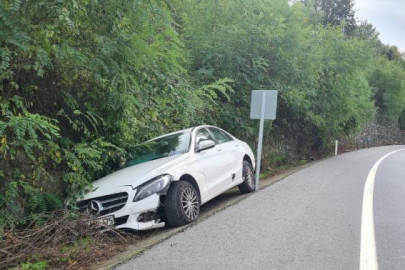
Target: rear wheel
<point>182,205</point>
<point>248,184</point>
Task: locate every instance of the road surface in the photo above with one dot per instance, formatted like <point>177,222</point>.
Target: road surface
<point>310,220</point>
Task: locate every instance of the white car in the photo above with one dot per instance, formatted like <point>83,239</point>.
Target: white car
<point>170,177</point>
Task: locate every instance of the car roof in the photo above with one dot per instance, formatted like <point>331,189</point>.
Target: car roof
<point>174,132</point>
<point>186,130</point>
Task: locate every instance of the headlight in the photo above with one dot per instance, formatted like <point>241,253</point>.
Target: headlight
<point>151,187</point>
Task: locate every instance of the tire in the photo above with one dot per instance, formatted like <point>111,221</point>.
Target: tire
<point>182,204</point>
<point>248,184</point>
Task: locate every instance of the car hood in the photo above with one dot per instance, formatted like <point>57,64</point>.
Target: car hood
<point>134,176</point>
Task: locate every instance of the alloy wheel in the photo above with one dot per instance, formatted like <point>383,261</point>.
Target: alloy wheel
<point>189,202</point>
<point>248,176</point>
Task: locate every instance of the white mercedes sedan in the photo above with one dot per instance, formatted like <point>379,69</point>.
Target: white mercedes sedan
<point>168,178</point>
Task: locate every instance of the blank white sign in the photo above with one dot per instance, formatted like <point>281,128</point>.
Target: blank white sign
<point>270,104</point>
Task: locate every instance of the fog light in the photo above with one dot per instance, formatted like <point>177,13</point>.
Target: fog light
<point>147,216</point>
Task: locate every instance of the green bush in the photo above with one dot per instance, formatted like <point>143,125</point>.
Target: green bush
<point>83,81</point>
<point>388,82</point>
<point>34,266</point>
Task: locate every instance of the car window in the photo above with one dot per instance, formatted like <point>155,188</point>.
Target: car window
<point>170,145</point>
<point>228,136</point>
<point>219,135</point>
<point>202,135</point>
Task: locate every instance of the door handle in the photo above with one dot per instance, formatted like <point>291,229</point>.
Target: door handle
<point>236,145</point>
<point>219,149</point>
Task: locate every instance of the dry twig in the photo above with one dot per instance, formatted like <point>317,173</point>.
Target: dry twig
<point>58,242</point>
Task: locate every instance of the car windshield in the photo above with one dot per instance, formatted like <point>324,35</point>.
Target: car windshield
<point>162,147</point>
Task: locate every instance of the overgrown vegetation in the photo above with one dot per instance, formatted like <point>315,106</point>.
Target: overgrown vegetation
<point>63,241</point>
<point>83,81</point>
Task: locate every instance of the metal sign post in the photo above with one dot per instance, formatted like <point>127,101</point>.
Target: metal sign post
<point>263,106</point>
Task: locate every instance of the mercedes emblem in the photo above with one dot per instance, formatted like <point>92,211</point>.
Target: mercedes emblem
<point>94,207</point>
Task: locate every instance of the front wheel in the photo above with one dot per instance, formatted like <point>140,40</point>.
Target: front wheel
<point>182,205</point>
<point>248,185</point>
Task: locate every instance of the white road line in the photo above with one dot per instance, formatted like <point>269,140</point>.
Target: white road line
<point>368,251</point>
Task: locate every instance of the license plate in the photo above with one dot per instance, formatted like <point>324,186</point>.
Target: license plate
<point>109,220</point>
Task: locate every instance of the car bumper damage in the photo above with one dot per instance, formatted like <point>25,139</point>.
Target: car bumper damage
<point>119,210</point>
<point>144,215</point>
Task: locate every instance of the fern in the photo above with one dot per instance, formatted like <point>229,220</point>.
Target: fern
<point>5,55</point>
<point>211,91</point>
<point>25,130</point>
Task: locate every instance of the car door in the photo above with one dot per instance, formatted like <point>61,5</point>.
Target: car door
<point>233,152</point>
<point>214,162</point>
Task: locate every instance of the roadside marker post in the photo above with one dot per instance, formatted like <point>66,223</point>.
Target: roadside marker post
<point>336,147</point>
<point>263,106</point>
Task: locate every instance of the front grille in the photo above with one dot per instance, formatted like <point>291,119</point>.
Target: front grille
<point>109,203</point>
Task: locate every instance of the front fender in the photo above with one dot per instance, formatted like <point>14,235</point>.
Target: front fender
<point>193,169</point>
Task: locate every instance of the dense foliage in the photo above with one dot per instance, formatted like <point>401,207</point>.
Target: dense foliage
<point>83,81</point>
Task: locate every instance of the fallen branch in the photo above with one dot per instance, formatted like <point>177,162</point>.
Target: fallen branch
<point>61,237</point>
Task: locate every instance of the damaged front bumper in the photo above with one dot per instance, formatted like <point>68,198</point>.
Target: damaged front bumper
<point>142,215</point>
<point>118,206</point>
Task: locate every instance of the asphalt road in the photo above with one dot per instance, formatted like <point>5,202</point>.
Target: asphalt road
<point>310,220</point>
<point>389,212</point>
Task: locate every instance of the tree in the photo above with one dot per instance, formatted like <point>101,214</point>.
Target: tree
<point>388,82</point>
<point>82,82</point>
<point>336,12</point>
<point>367,31</point>
<point>268,45</point>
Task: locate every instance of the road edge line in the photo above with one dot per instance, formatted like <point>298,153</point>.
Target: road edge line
<point>368,250</point>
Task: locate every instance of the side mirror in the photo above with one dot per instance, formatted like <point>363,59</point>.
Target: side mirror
<point>205,145</point>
